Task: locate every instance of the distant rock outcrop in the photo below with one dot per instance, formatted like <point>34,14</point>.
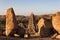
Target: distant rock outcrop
<point>45,28</point>
<point>11,23</point>
<point>56,22</point>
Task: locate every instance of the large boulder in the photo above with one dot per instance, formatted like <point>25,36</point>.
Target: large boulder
<point>21,30</point>
<point>45,28</point>
<point>56,22</point>
<point>11,23</point>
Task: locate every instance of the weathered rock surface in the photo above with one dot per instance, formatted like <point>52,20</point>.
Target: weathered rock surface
<point>45,28</point>
<point>11,23</point>
<point>31,24</point>
<point>56,22</point>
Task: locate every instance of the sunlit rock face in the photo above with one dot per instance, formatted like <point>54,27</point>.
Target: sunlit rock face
<point>22,25</point>
<point>40,24</point>
<point>11,23</point>
<point>56,22</point>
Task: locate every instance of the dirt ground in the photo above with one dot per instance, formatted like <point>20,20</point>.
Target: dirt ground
<point>14,38</point>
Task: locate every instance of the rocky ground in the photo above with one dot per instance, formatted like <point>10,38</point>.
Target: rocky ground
<point>12,38</point>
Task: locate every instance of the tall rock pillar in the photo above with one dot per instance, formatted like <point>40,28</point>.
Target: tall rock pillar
<point>11,23</point>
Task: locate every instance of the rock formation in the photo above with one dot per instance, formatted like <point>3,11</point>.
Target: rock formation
<point>31,24</point>
<point>45,27</point>
<point>21,30</point>
<point>11,23</point>
<point>12,26</point>
<point>56,22</point>
<point>40,24</point>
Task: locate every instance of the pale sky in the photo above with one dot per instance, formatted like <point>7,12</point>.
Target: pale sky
<point>25,7</point>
